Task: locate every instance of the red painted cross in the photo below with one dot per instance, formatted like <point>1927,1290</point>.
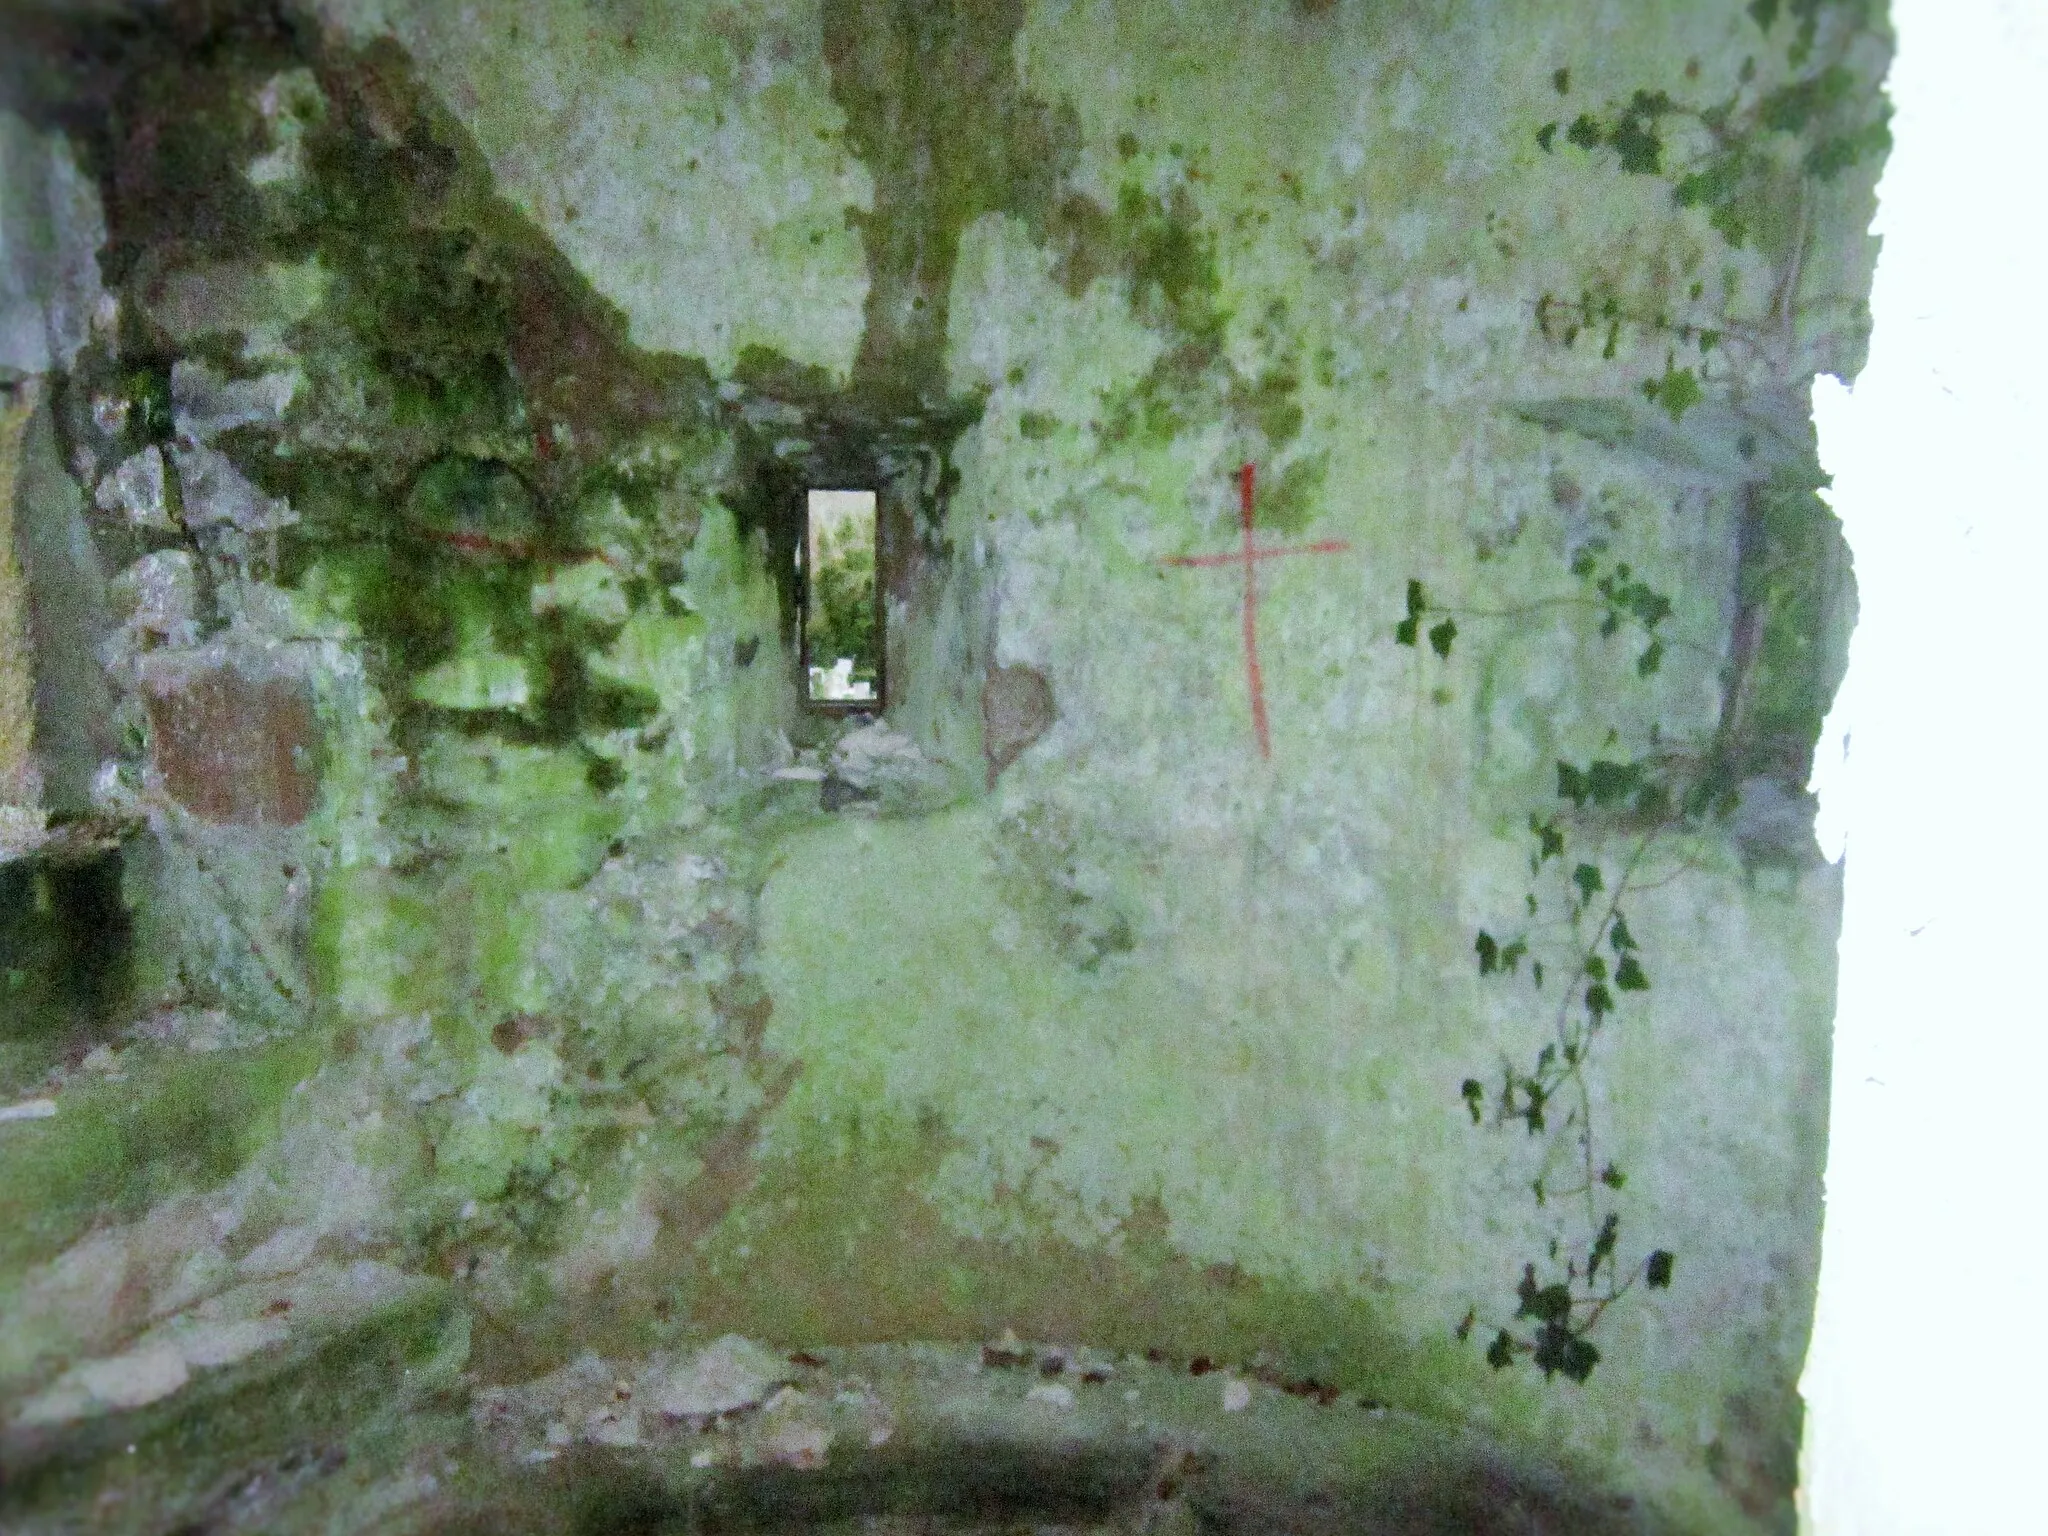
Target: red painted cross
<point>1248,555</point>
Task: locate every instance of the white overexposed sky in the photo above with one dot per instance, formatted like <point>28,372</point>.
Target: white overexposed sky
<point>1928,1381</point>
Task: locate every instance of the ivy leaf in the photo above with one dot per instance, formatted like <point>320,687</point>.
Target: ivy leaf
<point>1603,1245</point>
<point>1571,785</point>
<point>1550,841</point>
<point>1829,158</point>
<point>1791,108</point>
<point>1584,131</point>
<point>1678,391</point>
<point>1596,968</point>
<point>1441,636</point>
<point>1488,951</point>
<point>1587,878</point>
<point>1731,224</point>
<point>1763,13</point>
<point>1612,1177</point>
<point>1547,1304</point>
<point>1619,936</point>
<point>1561,81</point>
<point>1651,608</point>
<point>1629,977</point>
<point>1651,659</point>
<point>1560,1350</point>
<point>1545,135</point>
<point>1474,1096</point>
<point>1610,783</point>
<point>1657,1270</point>
<point>1512,955</point>
<point>1500,1354</point>
<point>1599,1001</point>
<point>1636,140</point>
<point>1408,629</point>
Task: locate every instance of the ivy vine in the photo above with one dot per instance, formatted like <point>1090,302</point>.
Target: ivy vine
<point>1753,161</point>
<point>1574,950</point>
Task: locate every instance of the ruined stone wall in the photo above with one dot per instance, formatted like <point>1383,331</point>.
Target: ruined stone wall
<point>1434,1011</point>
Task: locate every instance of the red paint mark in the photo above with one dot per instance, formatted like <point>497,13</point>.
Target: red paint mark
<point>1249,555</point>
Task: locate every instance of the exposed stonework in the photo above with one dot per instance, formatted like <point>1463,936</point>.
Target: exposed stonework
<point>235,740</point>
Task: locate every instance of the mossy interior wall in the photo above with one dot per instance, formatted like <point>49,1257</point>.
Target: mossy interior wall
<point>1126,1031</point>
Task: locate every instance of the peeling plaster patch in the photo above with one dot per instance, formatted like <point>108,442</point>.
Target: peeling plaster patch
<point>1016,709</point>
<point>717,227</point>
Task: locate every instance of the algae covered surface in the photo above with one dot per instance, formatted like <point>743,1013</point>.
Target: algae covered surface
<point>1306,1002</point>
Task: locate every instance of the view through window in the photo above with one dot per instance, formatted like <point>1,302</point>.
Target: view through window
<point>842,632</point>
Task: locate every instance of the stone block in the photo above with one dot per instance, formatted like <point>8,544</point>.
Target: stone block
<point>236,739</point>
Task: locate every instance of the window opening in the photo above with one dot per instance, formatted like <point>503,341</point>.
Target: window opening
<point>842,618</point>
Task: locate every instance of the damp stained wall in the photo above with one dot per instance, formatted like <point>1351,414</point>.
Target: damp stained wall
<point>549,954</point>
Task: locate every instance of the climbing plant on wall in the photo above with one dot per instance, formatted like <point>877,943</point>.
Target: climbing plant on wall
<point>1755,164</point>
<point>1581,963</point>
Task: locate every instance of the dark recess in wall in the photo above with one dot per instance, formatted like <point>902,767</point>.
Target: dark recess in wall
<point>65,944</point>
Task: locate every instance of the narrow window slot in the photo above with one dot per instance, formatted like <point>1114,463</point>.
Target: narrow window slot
<point>842,618</point>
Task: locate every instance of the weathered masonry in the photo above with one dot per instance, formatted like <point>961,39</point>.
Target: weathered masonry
<point>984,761</point>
